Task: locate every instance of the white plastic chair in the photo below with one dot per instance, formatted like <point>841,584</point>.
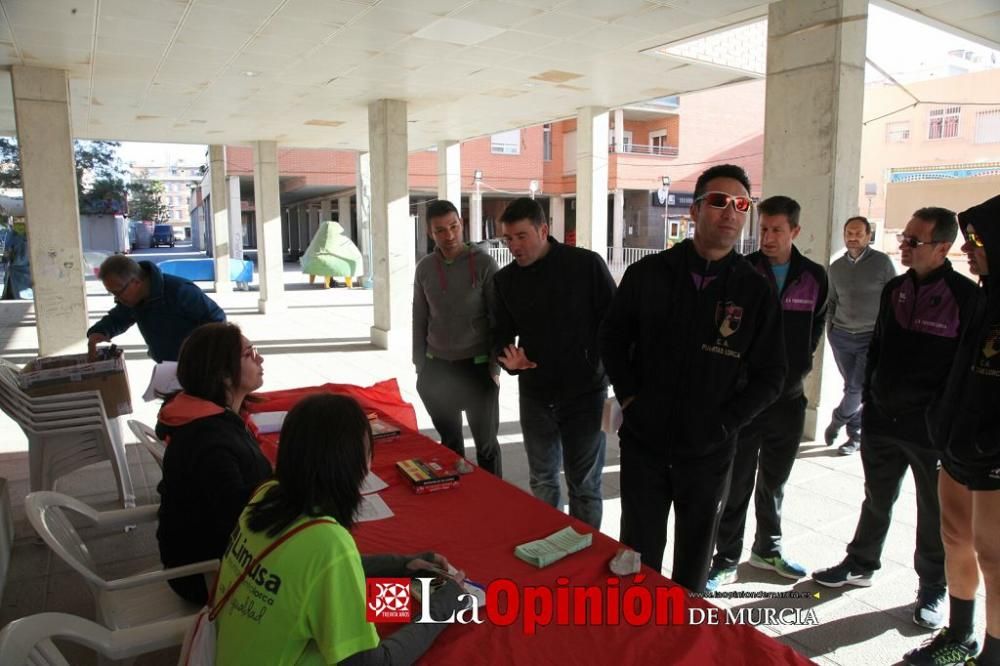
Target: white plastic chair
<point>126,602</point>
<point>147,437</point>
<point>65,432</point>
<point>28,641</point>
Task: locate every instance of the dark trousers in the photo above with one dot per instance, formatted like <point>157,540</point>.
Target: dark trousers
<point>567,433</point>
<point>650,485</point>
<point>450,387</point>
<point>885,460</point>
<point>765,451</point>
<point>850,351</point>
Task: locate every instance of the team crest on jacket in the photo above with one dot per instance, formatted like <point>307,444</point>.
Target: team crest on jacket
<point>728,316</point>
<point>992,345</point>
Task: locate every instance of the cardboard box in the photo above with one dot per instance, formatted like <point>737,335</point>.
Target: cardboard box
<point>72,373</point>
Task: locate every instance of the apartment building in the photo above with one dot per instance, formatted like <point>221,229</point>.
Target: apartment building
<point>177,179</point>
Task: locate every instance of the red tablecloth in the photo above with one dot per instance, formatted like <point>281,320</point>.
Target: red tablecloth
<point>478,524</point>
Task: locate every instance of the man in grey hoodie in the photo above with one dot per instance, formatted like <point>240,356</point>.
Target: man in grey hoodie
<point>452,340</point>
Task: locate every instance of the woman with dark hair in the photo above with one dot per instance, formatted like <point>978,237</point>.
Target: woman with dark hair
<point>212,462</point>
<point>304,602</point>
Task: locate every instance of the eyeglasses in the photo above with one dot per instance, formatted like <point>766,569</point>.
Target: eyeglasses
<point>121,290</point>
<point>912,242</point>
<point>721,200</point>
<point>252,353</point>
<point>975,239</point>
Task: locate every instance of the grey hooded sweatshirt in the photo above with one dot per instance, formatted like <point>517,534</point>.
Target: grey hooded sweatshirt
<point>452,305</point>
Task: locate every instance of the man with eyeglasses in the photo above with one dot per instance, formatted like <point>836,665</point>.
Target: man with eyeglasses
<point>166,308</point>
<point>922,315</point>
<point>768,445</point>
<point>694,348</point>
<point>856,282</point>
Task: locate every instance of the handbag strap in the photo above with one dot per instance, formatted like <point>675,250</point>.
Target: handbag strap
<point>264,553</point>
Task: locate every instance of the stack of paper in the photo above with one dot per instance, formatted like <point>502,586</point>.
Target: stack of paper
<point>553,548</point>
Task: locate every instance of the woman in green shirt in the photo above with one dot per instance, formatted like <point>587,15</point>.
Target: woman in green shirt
<point>304,603</point>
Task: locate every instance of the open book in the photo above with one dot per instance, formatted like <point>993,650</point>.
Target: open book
<point>553,548</point>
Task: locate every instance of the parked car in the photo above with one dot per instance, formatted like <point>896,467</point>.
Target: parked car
<point>163,234</point>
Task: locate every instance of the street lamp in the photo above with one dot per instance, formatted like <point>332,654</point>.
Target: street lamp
<point>533,188</point>
<point>476,208</point>
<point>666,209</point>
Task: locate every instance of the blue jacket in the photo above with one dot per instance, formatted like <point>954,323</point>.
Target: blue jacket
<point>174,308</point>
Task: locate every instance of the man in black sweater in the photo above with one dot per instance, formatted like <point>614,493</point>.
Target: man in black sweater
<point>549,304</point>
<point>922,315</point>
<point>767,446</point>
<point>694,349</point>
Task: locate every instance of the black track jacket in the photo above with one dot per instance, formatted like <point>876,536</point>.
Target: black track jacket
<point>700,346</point>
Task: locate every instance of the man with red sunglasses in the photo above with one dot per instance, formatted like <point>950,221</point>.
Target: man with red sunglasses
<point>694,348</point>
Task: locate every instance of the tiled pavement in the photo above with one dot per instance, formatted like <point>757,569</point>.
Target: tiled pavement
<point>323,336</point>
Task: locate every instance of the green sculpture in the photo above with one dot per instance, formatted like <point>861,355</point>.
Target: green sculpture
<point>332,254</point>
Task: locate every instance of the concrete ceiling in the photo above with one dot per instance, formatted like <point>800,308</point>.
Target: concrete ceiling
<point>177,70</point>
<point>302,72</point>
<point>978,20</point>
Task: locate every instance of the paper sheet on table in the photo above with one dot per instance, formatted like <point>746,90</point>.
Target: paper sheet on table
<point>554,547</point>
<point>373,507</point>
<point>268,422</point>
<point>163,381</point>
<point>372,484</point>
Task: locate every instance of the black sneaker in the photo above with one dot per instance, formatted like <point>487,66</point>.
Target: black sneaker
<point>830,434</point>
<point>850,447</point>
<point>843,574</point>
<point>928,609</point>
<point>942,650</point>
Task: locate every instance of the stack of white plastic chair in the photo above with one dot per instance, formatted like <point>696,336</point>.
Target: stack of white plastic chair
<point>65,432</point>
<point>147,437</point>
<point>28,641</point>
<point>134,600</point>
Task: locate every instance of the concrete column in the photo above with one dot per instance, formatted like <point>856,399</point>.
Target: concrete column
<point>364,211</point>
<point>196,229</point>
<point>592,179</point>
<point>297,219</point>
<point>305,224</point>
<point>48,175</point>
<point>235,218</point>
<point>267,205</point>
<point>813,115</point>
<point>392,228</point>
<point>325,215</point>
<point>285,228</point>
<point>344,217</point>
<point>220,219</point>
<point>557,217</point>
<point>421,235</point>
<point>619,130</point>
<point>618,226</point>
<point>449,172</point>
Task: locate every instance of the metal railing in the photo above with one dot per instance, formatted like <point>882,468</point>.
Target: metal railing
<point>501,255</point>
<point>629,255</point>
<point>643,149</point>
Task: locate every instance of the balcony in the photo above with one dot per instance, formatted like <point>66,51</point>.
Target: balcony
<point>640,149</point>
